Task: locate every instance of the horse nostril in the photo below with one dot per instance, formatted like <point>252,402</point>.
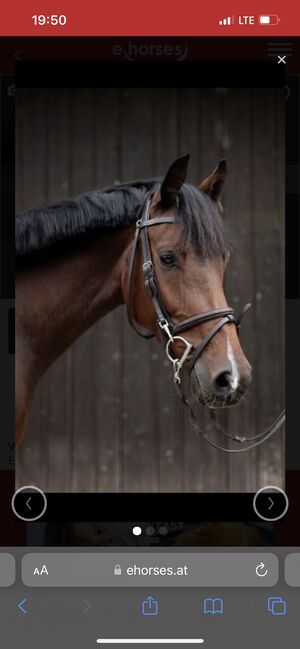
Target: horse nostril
<point>224,383</point>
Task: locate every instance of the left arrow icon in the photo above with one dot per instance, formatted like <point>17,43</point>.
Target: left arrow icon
<point>29,503</point>
<point>21,605</point>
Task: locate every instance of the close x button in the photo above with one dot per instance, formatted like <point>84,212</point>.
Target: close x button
<point>270,503</point>
<point>29,503</point>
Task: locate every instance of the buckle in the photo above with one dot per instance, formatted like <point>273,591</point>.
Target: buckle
<point>164,325</point>
<point>148,267</point>
<point>147,264</point>
<point>178,363</point>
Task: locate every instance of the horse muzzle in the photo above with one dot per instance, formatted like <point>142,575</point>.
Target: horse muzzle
<point>222,389</point>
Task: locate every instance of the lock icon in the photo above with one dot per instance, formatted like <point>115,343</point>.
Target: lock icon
<point>117,570</point>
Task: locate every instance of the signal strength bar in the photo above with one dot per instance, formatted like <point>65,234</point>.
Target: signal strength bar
<point>227,21</point>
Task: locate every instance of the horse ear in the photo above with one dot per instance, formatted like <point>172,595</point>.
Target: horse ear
<point>174,180</point>
<point>213,184</point>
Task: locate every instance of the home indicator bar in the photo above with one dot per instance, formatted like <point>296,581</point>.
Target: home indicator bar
<point>151,641</point>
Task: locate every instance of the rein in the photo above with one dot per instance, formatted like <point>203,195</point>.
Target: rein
<point>169,331</point>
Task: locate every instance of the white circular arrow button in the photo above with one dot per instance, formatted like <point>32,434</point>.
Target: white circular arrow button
<point>261,570</point>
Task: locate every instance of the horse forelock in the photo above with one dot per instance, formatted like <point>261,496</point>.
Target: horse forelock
<point>202,223</point>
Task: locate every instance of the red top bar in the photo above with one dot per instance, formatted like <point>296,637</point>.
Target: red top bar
<point>149,18</point>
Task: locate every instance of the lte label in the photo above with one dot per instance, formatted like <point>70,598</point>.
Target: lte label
<point>246,20</point>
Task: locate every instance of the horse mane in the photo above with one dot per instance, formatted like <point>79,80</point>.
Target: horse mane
<point>114,207</point>
<point>110,208</point>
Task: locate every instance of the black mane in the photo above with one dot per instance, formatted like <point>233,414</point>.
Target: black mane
<point>115,207</point>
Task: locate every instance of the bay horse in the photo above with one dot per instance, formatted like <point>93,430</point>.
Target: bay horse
<point>79,259</point>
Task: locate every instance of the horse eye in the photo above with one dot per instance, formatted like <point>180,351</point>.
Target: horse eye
<point>168,259</point>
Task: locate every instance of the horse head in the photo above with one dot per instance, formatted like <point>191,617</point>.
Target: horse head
<point>178,261</point>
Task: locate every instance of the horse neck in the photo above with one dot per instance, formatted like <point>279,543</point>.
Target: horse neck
<point>61,298</point>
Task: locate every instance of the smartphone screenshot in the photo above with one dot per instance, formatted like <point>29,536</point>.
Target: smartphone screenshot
<point>149,309</point>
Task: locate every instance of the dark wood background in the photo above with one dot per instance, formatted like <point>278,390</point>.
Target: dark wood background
<point>105,417</point>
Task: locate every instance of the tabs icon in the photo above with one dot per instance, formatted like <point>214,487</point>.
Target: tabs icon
<point>277,606</point>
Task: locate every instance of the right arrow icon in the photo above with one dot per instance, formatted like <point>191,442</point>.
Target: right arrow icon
<point>87,607</point>
<point>270,503</point>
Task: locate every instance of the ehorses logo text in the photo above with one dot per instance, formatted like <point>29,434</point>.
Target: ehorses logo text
<point>134,51</point>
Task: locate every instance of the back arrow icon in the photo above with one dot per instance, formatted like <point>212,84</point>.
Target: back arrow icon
<point>272,503</point>
<point>89,605</point>
<point>27,503</point>
<point>20,605</point>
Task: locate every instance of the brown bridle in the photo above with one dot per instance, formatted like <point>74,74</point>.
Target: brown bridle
<point>169,331</point>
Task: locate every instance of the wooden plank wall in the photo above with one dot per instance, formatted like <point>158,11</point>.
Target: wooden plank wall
<point>105,417</point>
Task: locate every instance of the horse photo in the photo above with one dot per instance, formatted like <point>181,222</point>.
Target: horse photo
<point>158,247</point>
